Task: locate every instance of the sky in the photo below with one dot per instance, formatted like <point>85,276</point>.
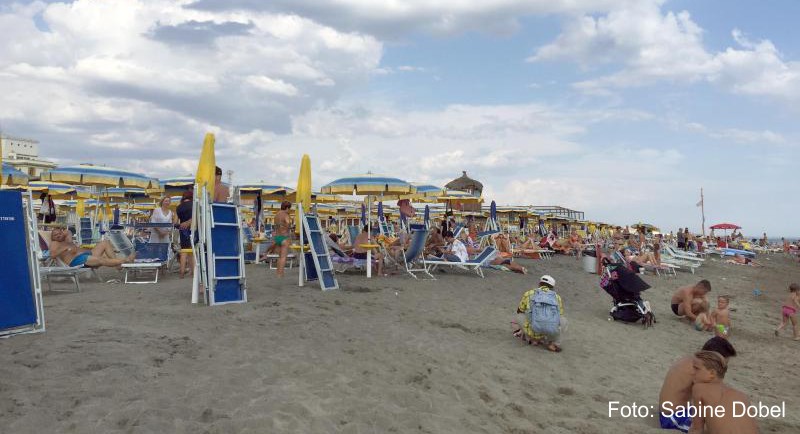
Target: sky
<point>623,109</point>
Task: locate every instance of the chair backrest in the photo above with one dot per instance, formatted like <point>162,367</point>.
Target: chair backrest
<point>417,227</point>
<point>417,245</point>
<point>457,230</point>
<point>353,232</point>
<point>335,247</point>
<point>159,251</point>
<point>484,255</point>
<point>121,243</point>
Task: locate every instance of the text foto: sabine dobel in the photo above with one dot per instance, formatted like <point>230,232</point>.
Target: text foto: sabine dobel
<point>668,409</point>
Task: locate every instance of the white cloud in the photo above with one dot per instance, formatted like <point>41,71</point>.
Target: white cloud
<point>269,85</point>
<point>653,46</point>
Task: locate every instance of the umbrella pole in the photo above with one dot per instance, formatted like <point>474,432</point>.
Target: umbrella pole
<point>302,260</point>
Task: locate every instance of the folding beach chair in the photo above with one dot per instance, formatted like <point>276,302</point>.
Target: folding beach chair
<point>473,264</point>
<point>21,309</point>
<point>414,254</point>
<point>341,260</point>
<point>150,258</point>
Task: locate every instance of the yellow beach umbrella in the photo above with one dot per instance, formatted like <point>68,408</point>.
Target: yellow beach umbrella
<point>207,165</point>
<point>304,183</point>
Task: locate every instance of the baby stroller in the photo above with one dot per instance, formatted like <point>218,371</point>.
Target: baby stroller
<point>625,286</point>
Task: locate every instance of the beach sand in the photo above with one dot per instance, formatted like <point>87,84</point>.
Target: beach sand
<point>386,355</point>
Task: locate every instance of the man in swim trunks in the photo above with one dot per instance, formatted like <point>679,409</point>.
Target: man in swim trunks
<point>677,387</point>
<point>684,298</point>
<point>221,191</point>
<point>102,255</point>
<point>283,237</point>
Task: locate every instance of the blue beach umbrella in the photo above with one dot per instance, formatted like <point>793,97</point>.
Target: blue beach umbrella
<point>427,216</point>
<point>493,211</point>
<point>380,210</point>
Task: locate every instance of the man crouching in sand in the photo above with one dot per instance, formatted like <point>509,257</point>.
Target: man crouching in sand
<point>102,255</point>
<point>709,392</point>
<point>687,301</point>
<point>677,388</point>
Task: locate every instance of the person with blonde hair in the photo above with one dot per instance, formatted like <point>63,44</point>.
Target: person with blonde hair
<point>162,214</point>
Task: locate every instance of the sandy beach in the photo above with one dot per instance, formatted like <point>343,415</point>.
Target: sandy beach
<point>378,356</point>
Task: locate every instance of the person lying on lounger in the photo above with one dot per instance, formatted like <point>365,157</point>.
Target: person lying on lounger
<point>743,260</point>
<point>102,255</point>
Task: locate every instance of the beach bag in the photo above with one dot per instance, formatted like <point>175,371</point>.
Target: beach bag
<point>545,315</point>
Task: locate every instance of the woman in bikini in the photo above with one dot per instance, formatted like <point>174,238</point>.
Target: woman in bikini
<point>282,235</point>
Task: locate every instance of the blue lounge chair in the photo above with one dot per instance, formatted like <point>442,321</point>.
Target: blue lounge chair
<point>414,253</point>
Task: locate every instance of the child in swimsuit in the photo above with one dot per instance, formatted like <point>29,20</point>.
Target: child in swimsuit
<point>720,317</point>
<point>789,311</point>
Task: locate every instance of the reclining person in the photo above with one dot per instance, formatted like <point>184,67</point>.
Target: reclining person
<point>102,255</point>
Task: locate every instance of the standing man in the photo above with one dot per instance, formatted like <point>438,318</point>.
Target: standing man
<point>221,191</point>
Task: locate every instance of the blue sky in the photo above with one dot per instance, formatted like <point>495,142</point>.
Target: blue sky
<point>620,108</point>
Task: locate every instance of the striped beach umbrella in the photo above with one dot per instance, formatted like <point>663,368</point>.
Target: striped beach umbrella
<point>369,184</point>
<point>266,191</point>
<point>88,174</point>
<point>177,185</point>
<point>12,176</point>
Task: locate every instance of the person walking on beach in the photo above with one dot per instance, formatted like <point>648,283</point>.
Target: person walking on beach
<point>282,238</point>
<point>709,391</point>
<point>789,311</point>
<point>684,299</point>
<point>677,387</point>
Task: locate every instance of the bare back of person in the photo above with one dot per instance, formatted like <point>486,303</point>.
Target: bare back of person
<point>729,422</point>
<point>683,300</point>
<point>282,223</point>
<point>677,387</point>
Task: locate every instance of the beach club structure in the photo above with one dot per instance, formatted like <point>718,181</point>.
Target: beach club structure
<point>100,203</point>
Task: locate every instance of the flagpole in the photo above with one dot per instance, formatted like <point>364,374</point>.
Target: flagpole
<point>703,211</point>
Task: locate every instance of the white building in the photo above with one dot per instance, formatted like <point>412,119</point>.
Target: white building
<point>23,154</point>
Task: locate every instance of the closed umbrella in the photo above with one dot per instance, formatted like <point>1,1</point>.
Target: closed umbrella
<point>206,167</point>
<point>427,217</point>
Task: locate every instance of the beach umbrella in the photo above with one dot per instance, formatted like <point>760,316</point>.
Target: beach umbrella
<point>427,216</point>
<point>102,176</point>
<point>369,185</point>
<point>177,185</point>
<point>267,191</point>
<point>303,199</point>
<point>725,226</point>
<point>207,165</point>
<point>12,176</point>
<point>380,210</point>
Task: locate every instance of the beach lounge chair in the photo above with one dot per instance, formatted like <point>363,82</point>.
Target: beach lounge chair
<point>341,260</point>
<point>473,264</point>
<point>150,258</point>
<point>55,267</point>
<point>680,254</point>
<point>414,254</point>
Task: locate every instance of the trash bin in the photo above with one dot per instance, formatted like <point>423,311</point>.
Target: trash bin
<point>590,264</point>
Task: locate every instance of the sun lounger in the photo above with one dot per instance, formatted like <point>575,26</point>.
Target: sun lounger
<point>414,254</point>
<point>71,273</point>
<point>472,264</point>
<point>150,258</point>
<point>341,260</point>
